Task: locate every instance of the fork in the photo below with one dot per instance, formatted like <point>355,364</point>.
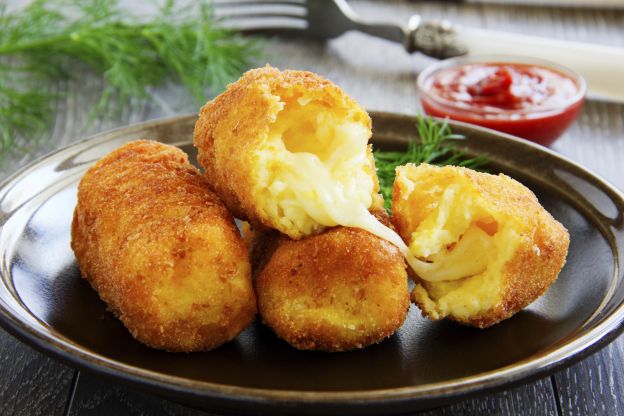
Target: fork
<point>601,66</point>
<point>329,19</point>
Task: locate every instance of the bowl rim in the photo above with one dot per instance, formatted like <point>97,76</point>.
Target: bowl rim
<point>508,115</point>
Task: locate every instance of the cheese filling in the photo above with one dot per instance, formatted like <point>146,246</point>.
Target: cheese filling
<point>456,239</point>
<point>317,169</point>
<point>319,174</point>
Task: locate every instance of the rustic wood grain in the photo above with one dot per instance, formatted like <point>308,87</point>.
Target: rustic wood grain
<point>31,383</point>
<point>597,140</point>
<point>533,399</point>
<point>596,385</point>
<point>382,77</point>
<point>94,396</point>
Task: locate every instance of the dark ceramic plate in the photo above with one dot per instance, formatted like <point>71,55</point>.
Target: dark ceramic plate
<point>44,302</point>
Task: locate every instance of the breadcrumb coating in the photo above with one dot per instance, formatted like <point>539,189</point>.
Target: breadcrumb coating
<point>161,249</point>
<point>340,290</point>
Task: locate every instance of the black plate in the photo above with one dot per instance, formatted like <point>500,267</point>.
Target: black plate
<point>44,302</point>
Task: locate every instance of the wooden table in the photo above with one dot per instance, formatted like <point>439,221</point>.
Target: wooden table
<point>381,77</point>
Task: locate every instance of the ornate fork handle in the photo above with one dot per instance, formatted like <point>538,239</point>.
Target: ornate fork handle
<point>436,38</point>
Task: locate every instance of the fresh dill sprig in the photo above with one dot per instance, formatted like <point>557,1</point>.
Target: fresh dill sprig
<point>432,147</point>
<point>45,41</point>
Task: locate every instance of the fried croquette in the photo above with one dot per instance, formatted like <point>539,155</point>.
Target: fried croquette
<point>490,247</point>
<point>340,290</point>
<point>161,249</point>
<point>288,151</point>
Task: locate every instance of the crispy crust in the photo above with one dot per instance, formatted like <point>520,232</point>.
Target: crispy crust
<point>528,275</point>
<point>161,250</point>
<point>537,260</point>
<point>232,127</point>
<point>340,290</point>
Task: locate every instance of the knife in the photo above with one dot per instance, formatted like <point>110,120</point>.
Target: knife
<point>594,4</point>
<point>601,66</point>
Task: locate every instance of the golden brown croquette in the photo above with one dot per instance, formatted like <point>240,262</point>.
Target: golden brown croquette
<point>288,151</point>
<point>161,249</point>
<point>491,247</point>
<point>340,290</point>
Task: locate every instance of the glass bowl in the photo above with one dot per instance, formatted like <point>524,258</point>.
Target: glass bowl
<point>494,91</point>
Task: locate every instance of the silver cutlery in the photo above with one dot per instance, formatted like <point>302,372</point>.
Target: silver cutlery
<point>601,66</point>
<point>328,19</point>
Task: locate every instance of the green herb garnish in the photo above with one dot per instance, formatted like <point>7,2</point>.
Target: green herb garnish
<point>45,42</point>
<point>432,147</point>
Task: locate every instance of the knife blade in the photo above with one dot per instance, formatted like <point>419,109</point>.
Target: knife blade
<point>593,4</point>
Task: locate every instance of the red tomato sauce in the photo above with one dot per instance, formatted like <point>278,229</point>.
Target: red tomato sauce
<point>529,101</point>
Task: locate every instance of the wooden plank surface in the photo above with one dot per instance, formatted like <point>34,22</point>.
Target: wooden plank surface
<point>382,77</point>
<point>31,383</point>
<point>95,397</point>
<point>596,385</point>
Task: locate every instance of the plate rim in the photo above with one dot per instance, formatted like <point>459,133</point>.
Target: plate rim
<point>444,391</point>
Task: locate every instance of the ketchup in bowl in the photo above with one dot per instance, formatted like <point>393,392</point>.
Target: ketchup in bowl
<point>529,98</point>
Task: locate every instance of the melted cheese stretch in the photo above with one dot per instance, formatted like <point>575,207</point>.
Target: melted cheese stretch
<point>317,190</point>
<point>314,161</point>
<point>321,178</point>
<point>328,203</point>
<point>466,258</point>
<point>453,223</point>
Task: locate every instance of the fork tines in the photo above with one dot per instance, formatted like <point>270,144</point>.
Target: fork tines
<point>258,15</point>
